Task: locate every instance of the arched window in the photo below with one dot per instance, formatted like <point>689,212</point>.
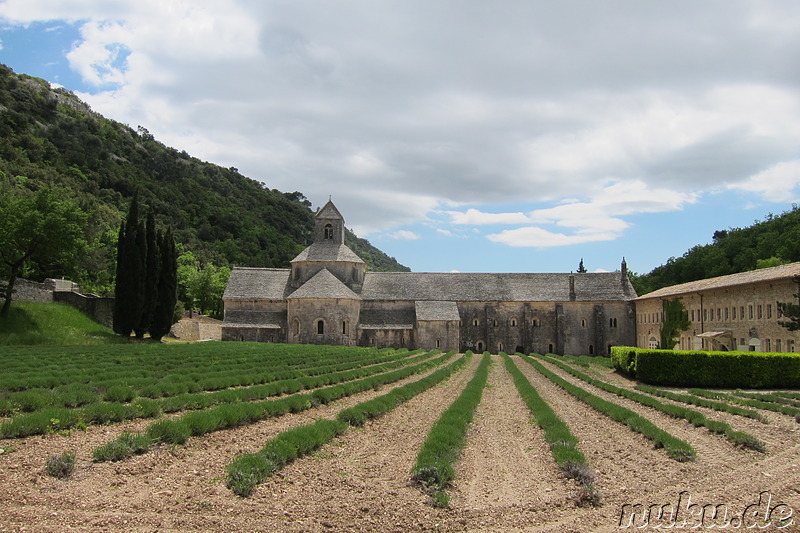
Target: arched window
<point>583,322</point>
<point>591,349</point>
<point>344,327</point>
<point>549,348</point>
<point>536,322</point>
<point>475,322</point>
<point>513,322</point>
<point>320,327</point>
<point>328,232</point>
<point>494,323</point>
<point>500,347</point>
<point>296,326</point>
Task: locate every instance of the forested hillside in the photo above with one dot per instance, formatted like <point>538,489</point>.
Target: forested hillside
<point>771,242</point>
<point>48,137</point>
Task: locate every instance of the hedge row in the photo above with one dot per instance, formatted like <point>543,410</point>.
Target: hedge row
<point>751,370</point>
<point>563,444</point>
<point>675,447</point>
<point>676,411</point>
<point>434,467</point>
<point>248,470</point>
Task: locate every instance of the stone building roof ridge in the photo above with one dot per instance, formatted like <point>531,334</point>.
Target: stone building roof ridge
<point>327,252</point>
<point>324,285</point>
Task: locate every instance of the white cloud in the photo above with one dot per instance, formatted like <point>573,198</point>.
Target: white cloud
<point>776,184</point>
<point>405,235</point>
<point>541,238</point>
<point>445,232</point>
<point>475,217</point>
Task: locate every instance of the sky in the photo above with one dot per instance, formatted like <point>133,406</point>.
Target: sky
<point>508,136</point>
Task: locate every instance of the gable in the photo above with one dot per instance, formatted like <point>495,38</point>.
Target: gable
<point>324,285</point>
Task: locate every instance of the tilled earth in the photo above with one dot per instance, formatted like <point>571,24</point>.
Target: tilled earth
<point>507,480</point>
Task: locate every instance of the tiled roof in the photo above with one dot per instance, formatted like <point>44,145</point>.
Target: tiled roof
<point>329,211</point>
<point>324,285</point>
<point>437,311</point>
<point>257,284</point>
<point>246,318</point>
<point>271,284</point>
<point>512,287</point>
<point>732,280</point>
<point>387,318</point>
<point>327,251</point>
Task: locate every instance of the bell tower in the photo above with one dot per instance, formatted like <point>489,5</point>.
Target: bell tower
<point>329,225</point>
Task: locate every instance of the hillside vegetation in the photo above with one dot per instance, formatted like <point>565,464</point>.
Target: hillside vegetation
<point>48,137</point>
<point>52,323</point>
<point>771,242</point>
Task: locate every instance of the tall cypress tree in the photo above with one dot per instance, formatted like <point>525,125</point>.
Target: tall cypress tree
<point>129,286</point>
<point>152,266</point>
<point>167,287</point>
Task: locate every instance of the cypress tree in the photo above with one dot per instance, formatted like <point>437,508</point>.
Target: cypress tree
<point>129,286</point>
<point>167,287</point>
<point>152,267</point>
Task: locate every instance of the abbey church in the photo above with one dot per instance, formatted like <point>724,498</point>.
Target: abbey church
<point>328,297</point>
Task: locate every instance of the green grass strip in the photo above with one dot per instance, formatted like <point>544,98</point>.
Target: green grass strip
<point>703,402</point>
<point>563,444</point>
<point>675,447</point>
<point>196,423</point>
<point>758,404</point>
<point>768,397</point>
<point>248,470</point>
<point>696,418</point>
<point>434,469</point>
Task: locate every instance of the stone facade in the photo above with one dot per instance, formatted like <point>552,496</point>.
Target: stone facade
<point>735,312</point>
<point>328,297</point>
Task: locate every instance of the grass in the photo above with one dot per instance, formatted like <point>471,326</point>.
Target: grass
<point>33,323</point>
<point>563,444</point>
<point>676,448</point>
<point>703,402</point>
<point>750,402</point>
<point>696,418</point>
<point>434,469</point>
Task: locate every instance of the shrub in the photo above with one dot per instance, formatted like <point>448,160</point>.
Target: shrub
<point>119,393</point>
<point>168,431</point>
<point>60,466</point>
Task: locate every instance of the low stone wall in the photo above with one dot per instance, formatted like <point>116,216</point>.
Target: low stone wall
<point>33,291</point>
<point>101,310</point>
<point>199,328</point>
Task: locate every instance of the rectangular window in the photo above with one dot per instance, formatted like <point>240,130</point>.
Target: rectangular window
<point>726,313</point>
<point>769,310</point>
<point>705,314</point>
<point>719,313</point>
<point>750,311</point>
<point>777,345</point>
<point>733,313</point>
<point>741,313</point>
<point>760,316</point>
<point>692,315</point>
<point>769,345</point>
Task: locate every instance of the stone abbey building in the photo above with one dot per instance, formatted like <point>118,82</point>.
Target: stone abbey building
<point>328,297</point>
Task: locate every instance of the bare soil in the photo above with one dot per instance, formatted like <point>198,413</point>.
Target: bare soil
<point>507,480</point>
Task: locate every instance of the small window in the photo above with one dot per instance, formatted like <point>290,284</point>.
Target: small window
<point>777,345</point>
<point>549,348</point>
<point>741,313</point>
<point>583,322</point>
<point>513,322</point>
<point>328,232</point>
<point>494,323</point>
<point>344,327</point>
<point>769,345</point>
<point>726,313</point>
<point>320,327</point>
<point>612,322</point>
<point>719,314</point>
<point>475,322</point>
<point>536,322</point>
<point>769,310</point>
<point>760,315</point>
<point>296,325</point>
<point>500,347</point>
<point>750,311</point>
<point>438,343</point>
<point>692,315</point>
<point>591,349</point>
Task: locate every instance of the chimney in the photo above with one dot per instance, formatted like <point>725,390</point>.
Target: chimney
<point>571,287</point>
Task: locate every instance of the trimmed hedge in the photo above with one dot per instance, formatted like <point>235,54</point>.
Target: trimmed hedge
<point>751,370</point>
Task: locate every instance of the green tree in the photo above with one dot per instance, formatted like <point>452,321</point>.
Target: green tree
<point>791,312</point>
<point>42,227</point>
<point>167,287</point>
<point>151,276</point>
<point>131,271</point>
<point>581,267</point>
<point>203,286</point>
<point>770,262</point>
<point>676,320</point>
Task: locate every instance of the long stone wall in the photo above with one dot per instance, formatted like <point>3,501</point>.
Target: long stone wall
<point>99,309</point>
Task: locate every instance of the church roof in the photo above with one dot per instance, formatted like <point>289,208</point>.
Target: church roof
<point>271,284</point>
<point>329,211</point>
<point>494,287</point>
<point>327,251</point>
<point>249,318</point>
<point>257,284</point>
<point>781,272</point>
<point>324,285</point>
<point>436,311</point>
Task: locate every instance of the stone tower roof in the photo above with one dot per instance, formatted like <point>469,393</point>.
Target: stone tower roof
<point>329,211</point>
<point>324,285</point>
<point>327,252</point>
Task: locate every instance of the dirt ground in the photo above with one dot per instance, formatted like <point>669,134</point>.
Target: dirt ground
<point>507,480</point>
